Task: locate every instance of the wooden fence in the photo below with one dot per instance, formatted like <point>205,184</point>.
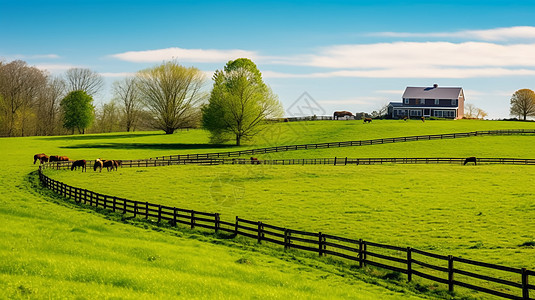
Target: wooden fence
<point>345,144</point>
<point>337,161</point>
<point>445,269</point>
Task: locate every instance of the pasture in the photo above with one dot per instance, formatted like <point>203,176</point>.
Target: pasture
<point>478,212</point>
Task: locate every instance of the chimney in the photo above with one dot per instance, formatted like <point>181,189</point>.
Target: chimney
<point>435,85</point>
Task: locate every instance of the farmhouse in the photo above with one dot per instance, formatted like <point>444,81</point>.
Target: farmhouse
<point>441,102</point>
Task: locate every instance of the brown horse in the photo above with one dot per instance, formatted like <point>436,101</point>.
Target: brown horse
<point>118,163</point>
<point>470,159</point>
<point>423,119</point>
<point>367,120</point>
<point>109,164</point>
<point>98,164</point>
<point>341,114</point>
<point>44,159</point>
<point>54,158</point>
<point>63,158</point>
<point>255,161</point>
<point>79,163</point>
<point>405,118</point>
<point>38,157</point>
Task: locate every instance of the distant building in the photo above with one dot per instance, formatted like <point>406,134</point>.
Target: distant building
<point>440,102</point>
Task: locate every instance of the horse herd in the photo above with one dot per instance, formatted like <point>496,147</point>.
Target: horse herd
<point>110,165</point>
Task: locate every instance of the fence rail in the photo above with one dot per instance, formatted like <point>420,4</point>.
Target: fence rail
<point>444,269</point>
<point>344,144</point>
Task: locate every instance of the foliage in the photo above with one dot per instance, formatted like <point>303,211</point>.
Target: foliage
<point>523,104</point>
<point>78,111</point>
<point>239,102</point>
<point>172,93</point>
<point>108,118</point>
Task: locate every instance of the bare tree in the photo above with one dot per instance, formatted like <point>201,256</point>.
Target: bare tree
<point>20,87</point>
<point>523,103</point>
<point>172,93</point>
<point>79,79</point>
<point>127,93</point>
<point>473,112</point>
<point>107,118</point>
<point>49,109</point>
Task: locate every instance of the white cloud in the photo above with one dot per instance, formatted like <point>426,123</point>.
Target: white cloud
<point>410,73</point>
<point>116,75</point>
<point>56,68</point>
<point>495,34</point>
<point>184,55</point>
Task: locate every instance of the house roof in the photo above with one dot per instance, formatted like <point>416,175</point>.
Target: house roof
<point>432,92</point>
<point>396,104</point>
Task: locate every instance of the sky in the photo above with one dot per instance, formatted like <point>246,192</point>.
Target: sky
<point>345,55</point>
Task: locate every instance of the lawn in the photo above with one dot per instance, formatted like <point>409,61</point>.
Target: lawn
<point>477,212</point>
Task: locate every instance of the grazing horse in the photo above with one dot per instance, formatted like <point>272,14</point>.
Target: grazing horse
<point>367,120</point>
<point>54,158</point>
<point>44,159</point>
<point>109,164</point>
<point>63,158</point>
<point>79,163</point>
<point>98,164</point>
<point>338,114</point>
<point>470,159</point>
<point>255,161</point>
<point>38,157</point>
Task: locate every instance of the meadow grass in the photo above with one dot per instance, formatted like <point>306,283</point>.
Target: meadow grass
<point>51,250</point>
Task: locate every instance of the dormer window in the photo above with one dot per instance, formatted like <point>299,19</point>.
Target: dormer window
<point>422,101</point>
<point>437,102</point>
<point>406,101</point>
<point>454,102</point>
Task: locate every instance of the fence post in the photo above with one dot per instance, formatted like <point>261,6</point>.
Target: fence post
<point>286,239</point>
<point>450,273</point>
<point>409,264</point>
<point>335,160</point>
<point>525,287</point>
<point>259,235</point>
<point>321,244</point>
<point>361,253</point>
<point>217,220</point>
<point>345,162</point>
<point>135,208</point>
<point>174,217</point>
<point>146,210</point>
<point>192,219</point>
<point>114,203</point>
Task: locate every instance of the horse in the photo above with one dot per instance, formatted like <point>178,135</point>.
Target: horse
<point>63,158</point>
<point>79,163</point>
<point>255,161</point>
<point>38,157</point>
<point>338,114</point>
<point>43,159</point>
<point>405,118</point>
<point>109,164</point>
<point>367,120</point>
<point>118,163</point>
<point>98,164</point>
<point>423,119</point>
<point>54,158</point>
<point>470,159</point>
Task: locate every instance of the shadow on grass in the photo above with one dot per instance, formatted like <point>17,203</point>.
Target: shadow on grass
<point>99,136</point>
<point>149,146</point>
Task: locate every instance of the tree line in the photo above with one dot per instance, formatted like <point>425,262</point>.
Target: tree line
<point>165,97</point>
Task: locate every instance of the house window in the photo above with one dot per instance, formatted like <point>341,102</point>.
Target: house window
<point>438,113</point>
<point>422,101</point>
<point>437,102</point>
<point>454,102</point>
<point>406,100</point>
<point>416,113</point>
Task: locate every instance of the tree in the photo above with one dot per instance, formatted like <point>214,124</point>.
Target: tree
<point>473,112</point>
<point>381,112</point>
<point>523,103</point>
<point>172,93</point>
<point>107,118</point>
<point>78,111</point>
<point>49,106</point>
<point>239,102</point>
<point>79,79</point>
<point>126,92</point>
<point>20,86</point>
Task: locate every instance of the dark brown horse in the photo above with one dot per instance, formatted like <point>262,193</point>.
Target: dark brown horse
<point>341,114</point>
<point>367,120</point>
<point>79,163</point>
<point>470,159</point>
<point>118,163</point>
<point>38,157</point>
<point>109,165</point>
<point>44,159</point>
<point>98,164</point>
<point>54,158</point>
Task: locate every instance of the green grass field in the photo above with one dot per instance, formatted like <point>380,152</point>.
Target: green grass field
<point>50,250</point>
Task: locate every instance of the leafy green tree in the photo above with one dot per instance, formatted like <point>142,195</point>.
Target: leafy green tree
<point>523,103</point>
<point>172,93</point>
<point>78,111</point>
<point>239,103</point>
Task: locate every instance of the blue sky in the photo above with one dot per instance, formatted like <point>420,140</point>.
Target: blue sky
<point>348,55</point>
